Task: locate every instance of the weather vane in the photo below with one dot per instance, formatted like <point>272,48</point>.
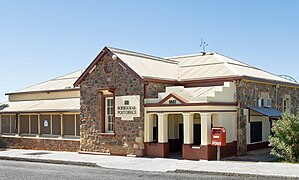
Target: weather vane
<point>203,45</point>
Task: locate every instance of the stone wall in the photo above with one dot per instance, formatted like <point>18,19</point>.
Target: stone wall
<point>248,94</point>
<point>39,144</point>
<point>129,135</point>
<point>153,88</point>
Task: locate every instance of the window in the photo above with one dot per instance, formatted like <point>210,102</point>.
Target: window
<point>8,124</point>
<point>286,106</point>
<point>109,125</point>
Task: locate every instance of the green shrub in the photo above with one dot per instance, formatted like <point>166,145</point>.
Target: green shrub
<point>285,138</point>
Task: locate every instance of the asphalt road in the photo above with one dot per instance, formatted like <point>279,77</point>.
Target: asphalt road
<point>29,170</point>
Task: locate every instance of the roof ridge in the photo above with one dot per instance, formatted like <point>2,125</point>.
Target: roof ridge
<point>249,66</point>
<point>234,59</point>
<point>143,55</point>
<point>191,55</point>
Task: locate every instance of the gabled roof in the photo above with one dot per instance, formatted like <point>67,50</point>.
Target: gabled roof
<point>203,66</point>
<point>59,83</point>
<point>147,66</point>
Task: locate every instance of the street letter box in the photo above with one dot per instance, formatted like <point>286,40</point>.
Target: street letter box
<point>218,136</point>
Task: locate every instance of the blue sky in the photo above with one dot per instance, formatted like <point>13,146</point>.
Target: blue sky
<point>40,40</point>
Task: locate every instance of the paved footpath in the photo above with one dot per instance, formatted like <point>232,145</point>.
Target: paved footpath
<point>155,164</point>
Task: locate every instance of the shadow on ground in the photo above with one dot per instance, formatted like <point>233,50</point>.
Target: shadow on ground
<point>261,155</point>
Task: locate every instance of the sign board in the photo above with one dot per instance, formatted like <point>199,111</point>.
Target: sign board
<point>171,101</point>
<point>218,136</point>
<point>127,107</point>
<point>46,123</point>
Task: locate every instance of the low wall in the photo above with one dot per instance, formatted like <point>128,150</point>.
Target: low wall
<point>256,146</point>
<point>39,144</point>
<point>157,149</point>
<point>208,152</point>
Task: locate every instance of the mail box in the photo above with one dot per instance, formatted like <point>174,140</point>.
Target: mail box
<point>218,136</point>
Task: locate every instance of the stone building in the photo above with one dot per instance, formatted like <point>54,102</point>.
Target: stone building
<point>129,103</point>
<point>43,116</point>
<point>141,105</point>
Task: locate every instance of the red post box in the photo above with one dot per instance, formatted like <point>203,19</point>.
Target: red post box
<point>218,136</point>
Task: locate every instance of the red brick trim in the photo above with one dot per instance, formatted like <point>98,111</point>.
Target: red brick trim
<point>208,152</point>
<point>95,62</point>
<point>157,149</point>
<point>169,111</point>
<point>208,82</point>
<point>174,95</point>
<point>92,64</point>
<point>174,82</point>
<point>193,104</point>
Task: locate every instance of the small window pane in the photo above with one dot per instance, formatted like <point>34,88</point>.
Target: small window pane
<point>56,125</point>
<point>24,124</point>
<point>34,124</point>
<point>5,123</point>
<point>69,124</point>
<point>14,128</point>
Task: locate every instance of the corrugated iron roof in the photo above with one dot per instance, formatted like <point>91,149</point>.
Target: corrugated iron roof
<point>57,105</point>
<point>201,66</point>
<point>59,83</point>
<point>148,66</point>
<point>214,65</point>
<point>270,112</point>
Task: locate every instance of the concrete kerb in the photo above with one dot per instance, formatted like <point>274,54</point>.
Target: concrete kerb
<point>50,161</point>
<point>243,175</point>
<point>89,164</point>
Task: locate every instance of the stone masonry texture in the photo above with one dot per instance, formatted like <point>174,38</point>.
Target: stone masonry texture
<point>248,94</point>
<point>129,135</point>
<point>128,138</point>
<point>39,144</point>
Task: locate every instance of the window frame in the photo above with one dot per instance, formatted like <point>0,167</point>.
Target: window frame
<point>111,114</point>
<point>286,103</point>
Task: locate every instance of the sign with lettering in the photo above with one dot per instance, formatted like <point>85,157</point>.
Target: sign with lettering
<point>127,107</point>
<point>46,123</point>
<point>172,100</point>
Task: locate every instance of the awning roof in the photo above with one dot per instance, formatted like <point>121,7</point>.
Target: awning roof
<point>55,105</point>
<point>267,111</point>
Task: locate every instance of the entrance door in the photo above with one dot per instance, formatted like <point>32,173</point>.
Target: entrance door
<point>181,136</point>
<point>197,134</point>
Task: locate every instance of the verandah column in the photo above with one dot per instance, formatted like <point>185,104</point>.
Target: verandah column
<point>205,128</point>
<point>188,128</point>
<point>163,145</point>
<point>162,128</point>
<point>38,125</point>
<point>148,127</point>
<point>61,125</point>
<point>19,124</point>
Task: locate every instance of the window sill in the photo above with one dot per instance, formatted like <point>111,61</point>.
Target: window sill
<point>107,134</point>
<point>195,146</point>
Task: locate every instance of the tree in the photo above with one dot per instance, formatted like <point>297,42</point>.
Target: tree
<point>285,138</point>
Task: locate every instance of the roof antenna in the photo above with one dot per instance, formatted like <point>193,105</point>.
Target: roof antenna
<point>203,44</point>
